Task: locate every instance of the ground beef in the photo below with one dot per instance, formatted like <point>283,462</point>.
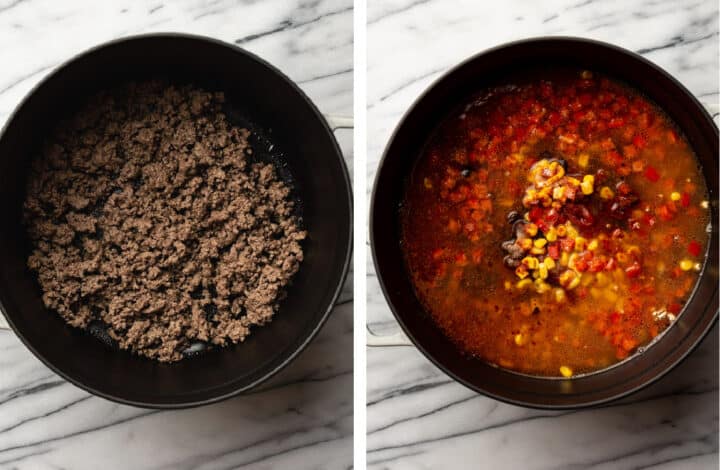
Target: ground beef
<point>147,215</point>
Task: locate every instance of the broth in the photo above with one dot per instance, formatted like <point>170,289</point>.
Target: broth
<point>555,225</point>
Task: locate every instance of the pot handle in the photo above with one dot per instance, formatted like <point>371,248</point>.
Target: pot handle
<point>396,339</point>
<point>339,121</point>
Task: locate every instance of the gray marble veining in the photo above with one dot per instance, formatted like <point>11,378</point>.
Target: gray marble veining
<point>303,417</point>
<point>417,416</point>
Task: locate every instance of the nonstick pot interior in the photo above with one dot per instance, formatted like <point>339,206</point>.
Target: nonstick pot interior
<point>406,146</point>
<point>257,95</point>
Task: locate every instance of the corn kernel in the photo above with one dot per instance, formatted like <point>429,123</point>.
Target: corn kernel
<point>560,295</point>
<point>523,284</point>
<point>519,339</point>
<point>587,184</point>
<point>573,181</point>
<point>558,192</point>
<point>540,243</point>
<point>537,251</point>
<point>610,295</point>
<point>551,234</point>
<point>525,243</point>
<point>549,263</point>
<point>561,230</point>
<point>675,196</point>
<point>632,249</point>
<point>566,277</point>
<point>595,292</point>
<point>574,283</point>
<point>531,229</point>
<point>521,272</point>
<point>587,279</point>
<point>508,285</point>
<point>564,259</point>
<point>572,231</point>
<point>565,371</point>
<point>541,286</point>
<point>686,265</point>
<point>580,244</point>
<point>601,279</point>
<point>593,245</point>
<point>530,262</point>
<point>606,193</point>
<point>583,160</point>
<point>542,271</point>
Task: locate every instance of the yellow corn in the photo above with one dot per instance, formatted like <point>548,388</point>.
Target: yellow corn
<point>601,279</point>
<point>508,285</point>
<point>551,234</point>
<point>540,243</point>
<point>587,279</point>
<point>580,244</point>
<point>593,245</point>
<point>531,229</point>
<point>574,283</point>
<point>561,230</point>
<point>542,271</point>
<point>610,295</point>
<point>675,196</point>
<point>541,286</point>
<point>560,295</point>
<point>572,231</point>
<point>564,259</point>
<point>686,265</point>
<point>537,251</point>
<point>573,181</point>
<point>566,277</point>
<point>525,243</point>
<point>595,292</point>
<point>521,272</point>
<point>549,263</point>
<point>558,192</point>
<point>587,184</point>
<point>523,284</point>
<point>519,339</point>
<point>565,371</point>
<point>606,193</point>
<point>583,160</point>
<point>530,262</point>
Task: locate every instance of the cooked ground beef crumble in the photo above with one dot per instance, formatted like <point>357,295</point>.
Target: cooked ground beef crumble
<point>145,214</point>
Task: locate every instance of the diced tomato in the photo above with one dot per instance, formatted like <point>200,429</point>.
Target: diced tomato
<point>567,244</point>
<point>674,308</point>
<point>694,248</point>
<point>685,199</point>
<point>596,265</point>
<point>614,123</point>
<point>639,141</point>
<point>614,318</point>
<point>652,174</point>
<point>633,270</point>
<point>535,214</point>
<point>553,251</point>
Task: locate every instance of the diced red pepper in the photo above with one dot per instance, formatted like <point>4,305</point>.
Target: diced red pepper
<point>652,174</point>
<point>596,265</point>
<point>614,123</point>
<point>694,248</point>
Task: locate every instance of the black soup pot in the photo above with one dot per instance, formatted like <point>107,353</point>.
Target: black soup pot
<point>404,148</point>
<point>258,96</point>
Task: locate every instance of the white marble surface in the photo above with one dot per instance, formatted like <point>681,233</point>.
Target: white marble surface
<point>417,416</point>
<point>303,417</point>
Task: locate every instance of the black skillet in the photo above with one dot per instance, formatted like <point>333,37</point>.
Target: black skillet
<point>452,90</point>
<point>279,114</point>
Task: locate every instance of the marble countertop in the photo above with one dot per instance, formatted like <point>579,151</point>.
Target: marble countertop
<point>417,417</point>
<point>303,417</point>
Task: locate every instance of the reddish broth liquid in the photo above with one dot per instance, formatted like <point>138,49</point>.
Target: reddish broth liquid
<point>647,236</point>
